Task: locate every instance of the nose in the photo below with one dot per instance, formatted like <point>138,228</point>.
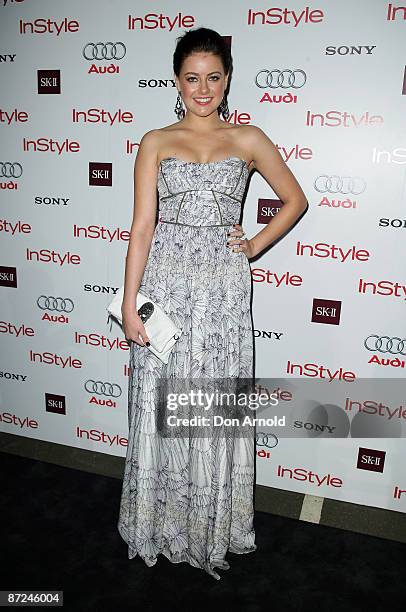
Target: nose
<point>204,88</point>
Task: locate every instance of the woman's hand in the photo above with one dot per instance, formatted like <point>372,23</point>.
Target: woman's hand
<point>134,328</point>
<point>239,243</point>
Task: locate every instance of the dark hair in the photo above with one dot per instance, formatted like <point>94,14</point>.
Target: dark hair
<point>206,40</point>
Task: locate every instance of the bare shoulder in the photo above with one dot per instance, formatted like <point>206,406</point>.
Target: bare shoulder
<point>252,136</point>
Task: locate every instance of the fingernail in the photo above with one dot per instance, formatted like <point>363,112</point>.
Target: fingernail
<point>147,343</point>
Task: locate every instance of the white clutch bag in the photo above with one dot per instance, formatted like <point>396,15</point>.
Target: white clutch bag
<point>161,330</point>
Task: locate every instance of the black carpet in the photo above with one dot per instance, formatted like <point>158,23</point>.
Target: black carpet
<point>59,533</point>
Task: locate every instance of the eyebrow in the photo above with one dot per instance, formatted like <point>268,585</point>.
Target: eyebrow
<point>215,72</point>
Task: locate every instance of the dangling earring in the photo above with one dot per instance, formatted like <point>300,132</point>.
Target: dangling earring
<point>224,110</point>
<point>179,110</point>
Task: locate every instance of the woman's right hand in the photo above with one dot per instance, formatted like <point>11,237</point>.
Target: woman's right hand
<point>134,328</point>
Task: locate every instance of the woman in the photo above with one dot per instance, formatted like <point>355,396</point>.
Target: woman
<point>190,497</point>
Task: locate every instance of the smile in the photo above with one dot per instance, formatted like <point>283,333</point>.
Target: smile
<point>203,101</point>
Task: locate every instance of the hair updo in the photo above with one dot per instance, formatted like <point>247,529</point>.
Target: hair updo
<point>202,40</point>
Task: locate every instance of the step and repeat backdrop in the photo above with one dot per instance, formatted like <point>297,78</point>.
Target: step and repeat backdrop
<point>81,83</point>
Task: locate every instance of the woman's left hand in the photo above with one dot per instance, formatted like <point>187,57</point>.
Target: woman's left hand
<point>237,242</point>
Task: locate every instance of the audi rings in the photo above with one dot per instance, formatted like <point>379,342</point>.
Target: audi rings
<point>104,51</point>
<point>102,388</point>
<point>49,302</point>
<point>283,78</point>
<point>384,344</point>
<point>10,170</point>
<point>269,440</point>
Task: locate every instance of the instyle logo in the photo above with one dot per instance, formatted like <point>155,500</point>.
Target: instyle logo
<point>309,476</point>
<point>17,421</point>
<point>286,279</point>
<point>101,174</point>
<point>396,156</point>
<point>14,116</point>
<point>48,26</point>
<point>55,403</point>
<point>17,331</point>
<point>375,407</point>
<point>54,257</point>
<point>382,287</point>
<point>313,370</point>
<point>385,222</point>
<point>371,460</point>
<point>345,119</point>
<point>49,145</point>
<point>353,50</point>
<point>397,492</point>
<point>99,232</point>
<point>154,21</point>
<point>54,359</point>
<point>295,152</point>
<point>395,13</point>
<point>285,16</point>
<point>51,201</point>
<point>331,251</point>
<point>95,435</point>
<point>267,209</point>
<point>49,81</point>
<point>8,276</point>
<point>99,115</point>
<point>326,311</point>
<point>100,341</point>
<point>13,228</point>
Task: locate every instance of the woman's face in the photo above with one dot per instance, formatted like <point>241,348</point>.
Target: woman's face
<point>202,83</point>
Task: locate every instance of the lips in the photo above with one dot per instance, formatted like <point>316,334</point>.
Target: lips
<point>203,101</point>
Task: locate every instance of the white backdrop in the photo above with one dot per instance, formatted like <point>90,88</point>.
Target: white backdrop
<point>327,84</point>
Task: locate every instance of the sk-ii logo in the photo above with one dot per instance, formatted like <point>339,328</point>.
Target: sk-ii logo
<point>55,403</point>
<point>371,459</point>
<point>267,209</point>
<point>8,276</point>
<point>326,311</point>
<point>101,174</point>
<point>49,81</point>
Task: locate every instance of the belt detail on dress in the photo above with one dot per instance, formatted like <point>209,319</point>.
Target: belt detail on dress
<point>189,225</point>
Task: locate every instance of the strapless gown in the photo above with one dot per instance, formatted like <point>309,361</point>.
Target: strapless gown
<point>191,499</point>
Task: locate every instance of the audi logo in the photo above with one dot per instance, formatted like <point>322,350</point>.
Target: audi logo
<point>339,184</point>
<point>55,303</point>
<point>102,388</point>
<point>10,170</point>
<point>384,344</point>
<point>104,51</point>
<point>266,439</point>
<point>280,78</point>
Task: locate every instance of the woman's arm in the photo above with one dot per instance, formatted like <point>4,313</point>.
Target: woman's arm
<point>143,223</point>
<point>268,161</point>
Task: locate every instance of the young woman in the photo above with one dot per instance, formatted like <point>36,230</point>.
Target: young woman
<point>190,497</point>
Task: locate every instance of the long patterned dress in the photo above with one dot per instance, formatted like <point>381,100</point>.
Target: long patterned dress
<point>189,497</point>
